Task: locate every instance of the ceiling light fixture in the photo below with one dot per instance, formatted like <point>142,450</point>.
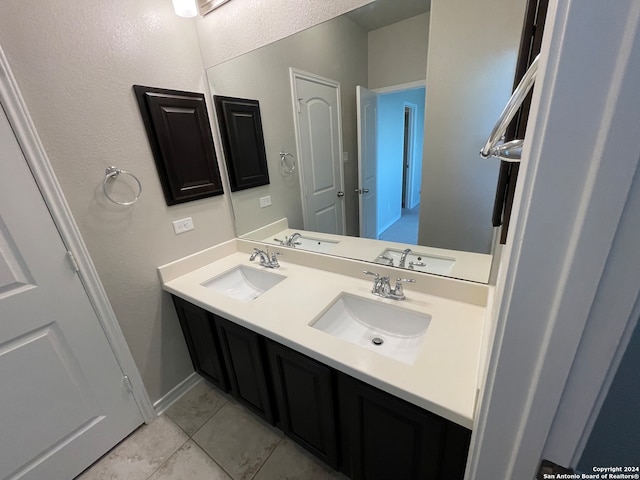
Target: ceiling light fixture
<point>185,8</point>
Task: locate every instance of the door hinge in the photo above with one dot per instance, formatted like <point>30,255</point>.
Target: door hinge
<point>72,262</point>
<point>127,383</point>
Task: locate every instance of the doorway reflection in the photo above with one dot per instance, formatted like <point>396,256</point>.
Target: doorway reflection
<point>405,230</point>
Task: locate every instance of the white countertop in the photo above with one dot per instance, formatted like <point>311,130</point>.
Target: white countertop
<point>443,378</point>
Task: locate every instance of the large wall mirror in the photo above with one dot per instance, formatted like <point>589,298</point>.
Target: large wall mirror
<point>372,125</point>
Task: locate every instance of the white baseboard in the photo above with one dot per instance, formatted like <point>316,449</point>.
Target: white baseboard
<point>173,395</point>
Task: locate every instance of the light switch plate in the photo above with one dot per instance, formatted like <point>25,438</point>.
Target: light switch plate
<point>345,157</point>
<point>265,201</point>
<point>182,225</point>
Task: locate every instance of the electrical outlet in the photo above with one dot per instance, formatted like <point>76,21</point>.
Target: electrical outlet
<point>182,225</point>
<point>345,157</point>
<point>265,201</point>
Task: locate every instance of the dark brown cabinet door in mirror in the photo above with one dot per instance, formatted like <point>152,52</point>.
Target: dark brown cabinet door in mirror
<point>179,132</point>
<point>243,142</point>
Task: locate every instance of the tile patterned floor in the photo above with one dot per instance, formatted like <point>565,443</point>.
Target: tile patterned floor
<point>207,435</point>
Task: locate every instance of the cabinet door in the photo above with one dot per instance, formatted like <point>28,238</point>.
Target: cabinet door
<point>388,438</point>
<point>177,125</point>
<point>305,399</point>
<point>247,373</point>
<point>199,331</point>
<point>243,142</point>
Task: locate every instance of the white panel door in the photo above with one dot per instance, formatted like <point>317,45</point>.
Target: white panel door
<point>63,400</point>
<point>367,115</point>
<point>317,103</point>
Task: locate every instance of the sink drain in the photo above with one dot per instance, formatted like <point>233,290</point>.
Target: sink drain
<point>377,341</point>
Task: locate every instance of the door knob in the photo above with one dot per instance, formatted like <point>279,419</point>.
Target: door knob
<point>340,194</point>
<point>365,190</point>
<point>358,190</point>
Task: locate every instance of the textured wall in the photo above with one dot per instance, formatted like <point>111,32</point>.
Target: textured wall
<point>335,49</point>
<point>75,62</point>
<point>398,52</point>
<point>469,80</point>
<point>244,25</point>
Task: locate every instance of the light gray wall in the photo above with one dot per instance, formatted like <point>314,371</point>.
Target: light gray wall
<point>75,63</point>
<point>398,52</point>
<point>335,49</point>
<point>473,48</point>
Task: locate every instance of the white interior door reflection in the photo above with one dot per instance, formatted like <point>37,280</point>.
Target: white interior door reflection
<point>316,103</point>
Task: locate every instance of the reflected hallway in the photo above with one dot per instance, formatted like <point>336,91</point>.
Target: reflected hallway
<point>405,230</point>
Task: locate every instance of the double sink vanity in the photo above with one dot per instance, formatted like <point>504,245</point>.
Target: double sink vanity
<point>377,377</point>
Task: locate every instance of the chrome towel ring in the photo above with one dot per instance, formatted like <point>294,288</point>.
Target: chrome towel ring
<point>111,174</point>
<point>288,167</point>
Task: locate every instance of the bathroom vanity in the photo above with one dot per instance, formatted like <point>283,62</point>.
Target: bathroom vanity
<point>372,414</point>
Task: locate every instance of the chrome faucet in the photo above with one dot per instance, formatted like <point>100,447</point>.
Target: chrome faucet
<point>290,241</point>
<point>403,258</point>
<point>382,286</point>
<point>265,261</point>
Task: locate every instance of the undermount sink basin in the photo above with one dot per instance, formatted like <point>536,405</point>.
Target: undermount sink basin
<point>422,262</point>
<point>385,329</point>
<point>244,283</point>
<point>315,244</point>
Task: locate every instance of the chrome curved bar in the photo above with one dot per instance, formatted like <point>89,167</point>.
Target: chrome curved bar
<point>510,151</point>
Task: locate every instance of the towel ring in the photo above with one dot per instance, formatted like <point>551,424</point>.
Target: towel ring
<point>287,167</point>
<point>112,173</point>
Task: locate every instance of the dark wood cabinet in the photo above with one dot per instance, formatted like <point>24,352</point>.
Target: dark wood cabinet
<point>243,142</point>
<point>305,392</point>
<point>177,125</point>
<point>366,432</point>
<point>386,438</point>
<point>248,377</point>
<point>200,334</point>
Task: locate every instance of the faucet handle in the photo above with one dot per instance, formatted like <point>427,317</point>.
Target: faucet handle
<point>367,272</point>
<point>281,242</point>
<point>273,263</point>
<point>398,292</point>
